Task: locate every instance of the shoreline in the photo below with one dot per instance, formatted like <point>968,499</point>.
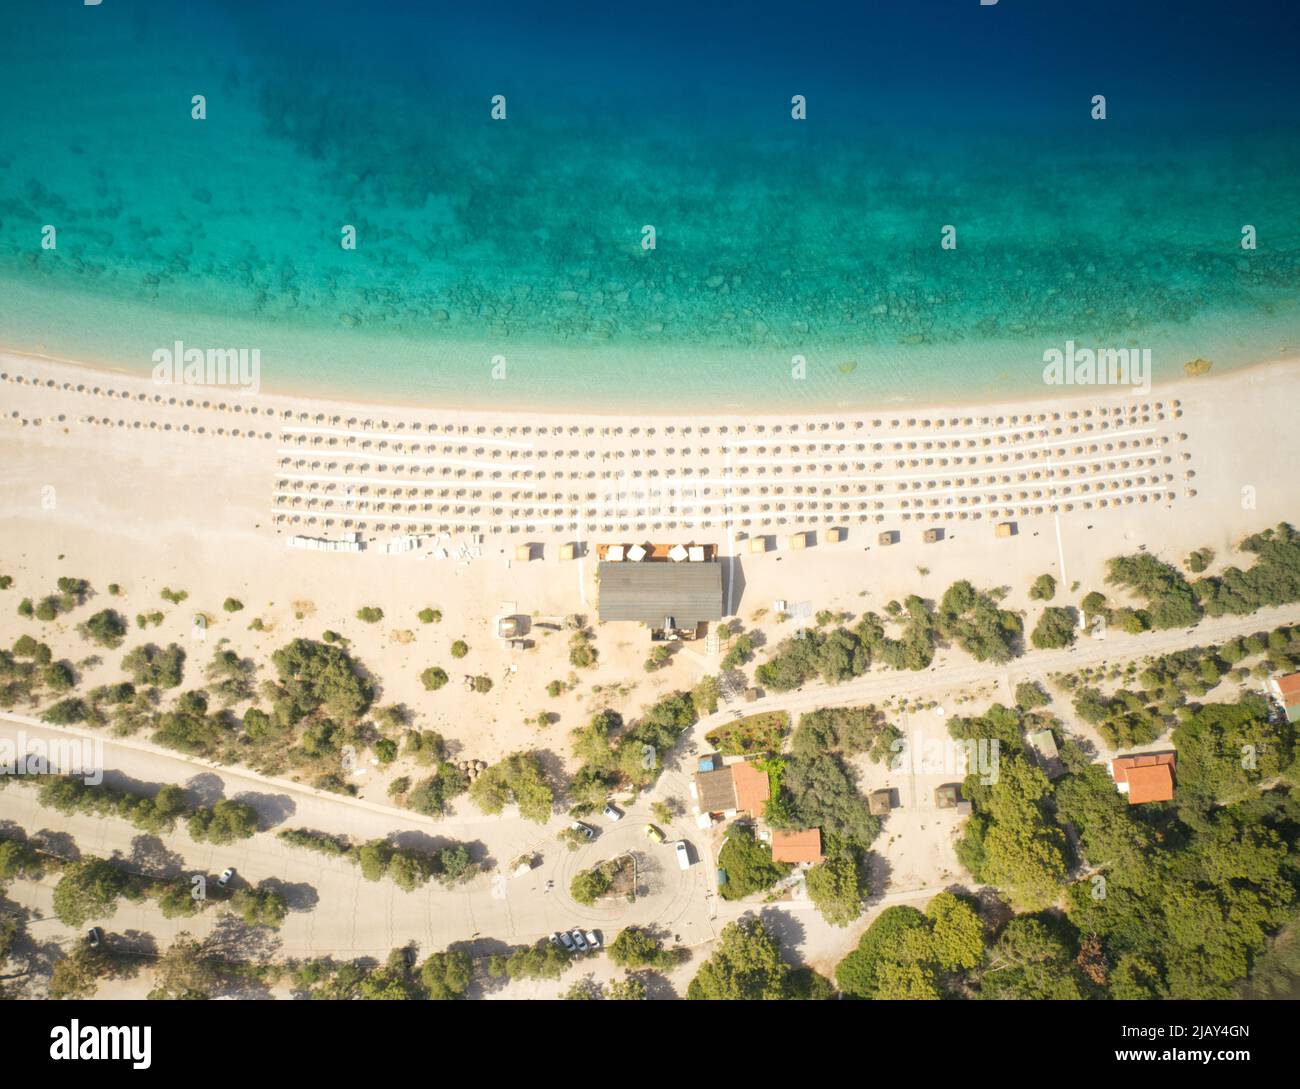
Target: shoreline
<point>1049,395</point>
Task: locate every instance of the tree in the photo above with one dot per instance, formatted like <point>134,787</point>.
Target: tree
<point>588,886</point>
<point>1055,629</point>
<point>818,792</point>
<point>151,666</point>
<point>78,974</point>
<point>1043,589</point>
<point>223,823</point>
<point>1030,960</point>
<point>705,695</point>
<point>748,864</point>
<point>636,948</point>
<point>107,628</point>
<point>957,932</point>
<point>628,989</point>
<point>837,888</point>
<point>747,965</point>
<point>856,974</point>
<point>447,975</point>
<point>1023,853</point>
<point>262,906</point>
<point>433,678</point>
<point>519,778</point>
<point>545,960</point>
<point>1031,695</point>
<point>459,648</point>
<point>66,712</point>
<point>88,889</point>
<point>185,971</point>
<point>318,676</point>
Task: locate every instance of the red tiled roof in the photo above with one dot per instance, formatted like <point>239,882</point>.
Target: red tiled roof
<point>1150,784</point>
<point>752,788</point>
<point>1150,776</point>
<point>805,846</point>
<point>1289,686</point>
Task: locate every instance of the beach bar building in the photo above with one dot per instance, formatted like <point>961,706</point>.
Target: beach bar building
<point>674,600</point>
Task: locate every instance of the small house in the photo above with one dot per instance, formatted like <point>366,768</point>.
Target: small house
<point>523,553</point>
<point>947,796</point>
<point>835,535</point>
<point>798,540</point>
<point>932,535</point>
<point>880,802</point>
<point>1286,690</point>
<point>797,848</point>
<point>758,545</point>
<point>888,537</point>
<point>1145,778</point>
<point>1005,529</point>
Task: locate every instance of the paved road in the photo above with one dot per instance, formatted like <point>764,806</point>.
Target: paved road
<point>954,670</point>
<point>349,916</point>
<point>337,912</point>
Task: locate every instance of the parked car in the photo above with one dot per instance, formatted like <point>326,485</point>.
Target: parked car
<point>585,829</point>
<point>225,877</point>
<point>654,833</point>
<point>613,814</point>
<point>593,940</point>
<point>94,936</point>
<point>579,939</point>
<point>566,941</point>
<point>683,854</point>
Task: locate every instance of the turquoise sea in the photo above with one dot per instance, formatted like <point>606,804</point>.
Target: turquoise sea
<point>482,240</point>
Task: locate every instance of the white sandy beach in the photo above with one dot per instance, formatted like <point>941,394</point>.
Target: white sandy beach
<point>152,494</point>
<point>105,479</point>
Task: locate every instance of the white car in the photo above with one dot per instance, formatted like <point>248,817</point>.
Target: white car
<point>578,939</point>
<point>613,814</point>
<point>225,877</point>
<point>683,854</point>
<point>565,940</point>
<point>593,940</point>
<point>584,829</point>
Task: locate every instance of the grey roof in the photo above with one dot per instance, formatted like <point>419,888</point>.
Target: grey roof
<point>716,790</point>
<point>689,593</point>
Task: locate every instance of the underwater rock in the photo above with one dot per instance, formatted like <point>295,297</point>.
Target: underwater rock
<point>1197,367</point>
<point>349,319</point>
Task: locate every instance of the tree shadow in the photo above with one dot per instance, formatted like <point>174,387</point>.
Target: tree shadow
<point>272,809</point>
<point>56,843</point>
<point>878,874</point>
<point>788,930</point>
<point>233,939</point>
<point>205,789</point>
<point>151,856</point>
<point>299,895</point>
